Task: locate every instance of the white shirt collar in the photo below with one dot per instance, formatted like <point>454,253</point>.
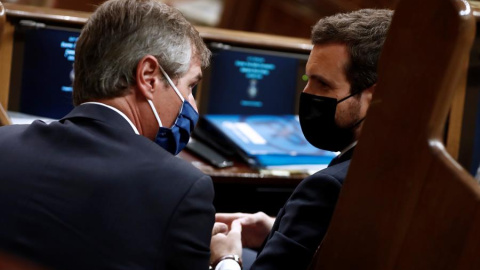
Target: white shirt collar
<point>350,146</point>
<point>118,111</point>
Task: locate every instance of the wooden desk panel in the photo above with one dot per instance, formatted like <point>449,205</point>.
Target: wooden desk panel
<point>241,173</point>
<point>244,189</point>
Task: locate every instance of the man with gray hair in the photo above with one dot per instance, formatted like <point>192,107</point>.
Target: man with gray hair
<point>102,188</point>
<point>342,72</point>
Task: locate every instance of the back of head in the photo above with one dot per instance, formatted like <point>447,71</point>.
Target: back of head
<point>119,34</point>
<point>364,32</point>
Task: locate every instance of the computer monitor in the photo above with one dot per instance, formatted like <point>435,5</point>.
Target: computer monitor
<point>240,80</point>
<point>42,69</point>
<point>250,81</point>
<point>249,101</point>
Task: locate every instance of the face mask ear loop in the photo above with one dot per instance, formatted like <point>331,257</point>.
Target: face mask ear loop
<point>358,122</point>
<point>349,96</point>
<point>155,112</point>
<point>172,84</point>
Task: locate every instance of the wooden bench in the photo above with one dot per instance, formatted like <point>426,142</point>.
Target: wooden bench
<point>4,120</point>
<point>406,203</point>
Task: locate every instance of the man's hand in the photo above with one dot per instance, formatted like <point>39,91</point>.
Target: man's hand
<point>226,242</point>
<point>255,227</point>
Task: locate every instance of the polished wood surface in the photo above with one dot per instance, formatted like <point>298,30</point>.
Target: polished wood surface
<point>255,40</point>
<point>239,15</point>
<point>475,5</point>
<point>11,262</point>
<point>2,17</point>
<point>288,17</point>
<point>6,49</point>
<point>460,139</point>
<point>4,120</point>
<point>244,174</point>
<point>406,204</point>
<point>455,120</point>
<point>469,134</point>
<point>83,5</point>
<point>77,18</point>
<point>48,14</point>
<point>292,17</point>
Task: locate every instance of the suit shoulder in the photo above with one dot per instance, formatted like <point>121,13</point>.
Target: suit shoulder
<point>160,164</point>
<point>13,133</point>
<point>336,172</point>
<point>12,130</point>
<point>175,163</point>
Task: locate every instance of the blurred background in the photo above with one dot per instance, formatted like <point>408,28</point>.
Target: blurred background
<point>282,17</point>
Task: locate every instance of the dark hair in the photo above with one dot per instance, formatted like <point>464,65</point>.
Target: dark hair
<point>119,34</point>
<point>364,32</point>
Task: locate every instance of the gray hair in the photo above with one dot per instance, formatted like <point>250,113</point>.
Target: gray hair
<point>119,34</point>
<point>364,32</point>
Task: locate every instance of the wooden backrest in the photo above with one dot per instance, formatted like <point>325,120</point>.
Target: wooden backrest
<point>11,262</point>
<point>4,120</point>
<point>287,17</point>
<point>3,17</point>
<point>406,204</point>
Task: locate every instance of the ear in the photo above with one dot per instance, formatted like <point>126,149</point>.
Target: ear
<point>147,76</point>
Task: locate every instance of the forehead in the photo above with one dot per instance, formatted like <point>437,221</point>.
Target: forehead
<point>328,59</point>
<point>195,68</point>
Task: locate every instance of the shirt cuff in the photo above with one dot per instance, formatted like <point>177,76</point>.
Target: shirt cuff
<point>228,264</point>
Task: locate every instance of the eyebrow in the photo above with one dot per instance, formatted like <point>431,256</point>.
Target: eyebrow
<point>320,78</point>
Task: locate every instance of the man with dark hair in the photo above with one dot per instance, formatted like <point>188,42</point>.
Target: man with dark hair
<point>342,75</point>
<point>101,188</point>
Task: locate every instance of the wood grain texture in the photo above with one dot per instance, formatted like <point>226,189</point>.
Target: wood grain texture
<point>288,17</point>
<point>12,262</point>
<point>5,52</point>
<point>406,204</point>
<point>78,19</point>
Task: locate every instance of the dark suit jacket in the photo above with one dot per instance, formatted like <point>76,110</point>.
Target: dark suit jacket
<point>302,223</point>
<point>88,193</point>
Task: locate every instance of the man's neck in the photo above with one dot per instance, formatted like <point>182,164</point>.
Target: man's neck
<point>132,109</point>
<point>346,149</point>
<point>117,111</point>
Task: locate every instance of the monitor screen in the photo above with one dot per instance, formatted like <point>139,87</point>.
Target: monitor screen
<point>252,81</point>
<point>42,71</point>
<point>240,80</point>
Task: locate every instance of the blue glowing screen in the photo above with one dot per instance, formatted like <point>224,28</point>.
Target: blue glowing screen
<point>249,83</point>
<point>47,72</point>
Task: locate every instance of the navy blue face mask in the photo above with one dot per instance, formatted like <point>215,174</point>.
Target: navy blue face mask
<point>175,138</point>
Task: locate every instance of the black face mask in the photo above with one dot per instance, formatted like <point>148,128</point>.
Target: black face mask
<point>317,119</point>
